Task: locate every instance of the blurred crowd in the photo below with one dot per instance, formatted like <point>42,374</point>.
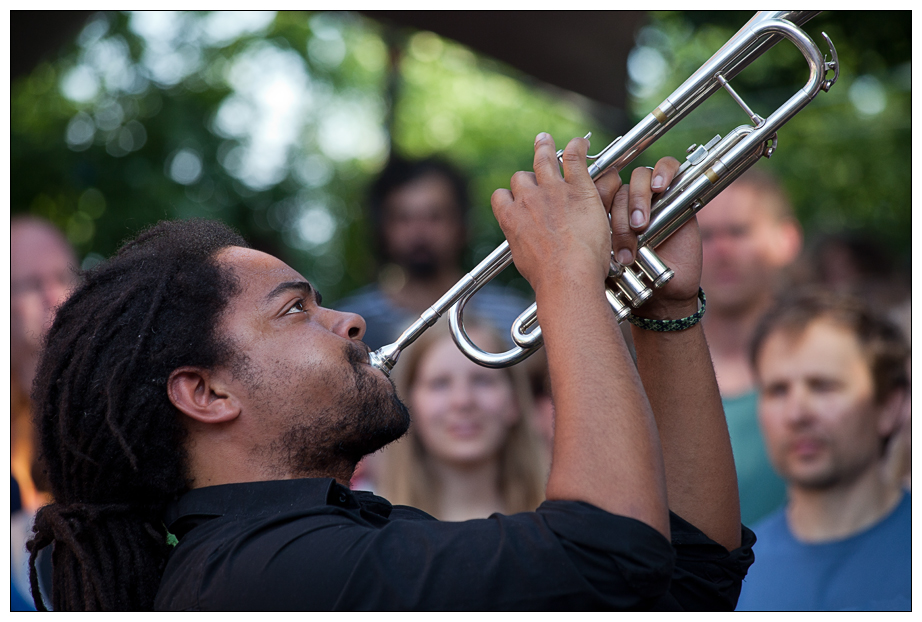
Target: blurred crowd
<point>809,340</point>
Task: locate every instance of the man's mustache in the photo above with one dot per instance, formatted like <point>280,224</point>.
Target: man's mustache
<point>356,352</point>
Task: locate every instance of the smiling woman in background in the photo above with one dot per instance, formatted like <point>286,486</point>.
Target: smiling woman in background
<point>471,449</point>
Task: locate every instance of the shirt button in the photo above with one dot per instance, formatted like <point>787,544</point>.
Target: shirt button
<point>342,497</point>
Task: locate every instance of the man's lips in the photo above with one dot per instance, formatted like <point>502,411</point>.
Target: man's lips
<point>806,447</point>
<point>357,353</point>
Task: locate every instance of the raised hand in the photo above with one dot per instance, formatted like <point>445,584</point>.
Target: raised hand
<point>630,216</point>
<point>556,224</point>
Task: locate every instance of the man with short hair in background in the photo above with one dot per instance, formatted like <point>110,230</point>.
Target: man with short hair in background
<point>749,236</point>
<point>833,385</point>
<point>419,210</point>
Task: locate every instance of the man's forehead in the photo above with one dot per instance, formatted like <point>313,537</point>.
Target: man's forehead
<point>256,270</point>
<point>738,209</point>
<point>250,259</point>
<point>822,336</point>
<point>430,192</point>
<point>31,242</point>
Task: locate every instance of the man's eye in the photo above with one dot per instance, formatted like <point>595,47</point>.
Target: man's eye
<point>297,307</point>
<point>774,390</point>
<point>824,385</point>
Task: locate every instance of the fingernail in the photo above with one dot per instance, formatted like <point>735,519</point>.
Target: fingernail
<point>637,218</point>
<point>541,137</point>
<point>658,181</point>
<point>625,257</point>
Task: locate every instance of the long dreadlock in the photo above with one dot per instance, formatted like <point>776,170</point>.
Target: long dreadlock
<point>111,441</point>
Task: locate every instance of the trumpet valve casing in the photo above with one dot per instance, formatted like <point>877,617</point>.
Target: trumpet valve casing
<point>653,267</point>
<point>633,287</point>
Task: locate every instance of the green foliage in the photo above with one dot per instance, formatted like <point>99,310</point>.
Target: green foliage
<point>100,193</point>
<point>483,119</point>
<point>173,121</point>
<point>845,159</point>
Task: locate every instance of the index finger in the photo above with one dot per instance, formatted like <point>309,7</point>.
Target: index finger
<point>575,170</point>
<point>545,164</point>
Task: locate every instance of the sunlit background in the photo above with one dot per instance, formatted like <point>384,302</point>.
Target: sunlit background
<point>277,122</point>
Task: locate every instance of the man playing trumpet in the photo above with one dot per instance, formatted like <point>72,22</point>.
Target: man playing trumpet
<point>201,415</point>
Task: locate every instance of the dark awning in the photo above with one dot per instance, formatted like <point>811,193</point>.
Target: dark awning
<point>581,51</point>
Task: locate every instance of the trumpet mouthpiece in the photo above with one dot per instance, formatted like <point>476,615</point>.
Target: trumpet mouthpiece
<point>384,358</point>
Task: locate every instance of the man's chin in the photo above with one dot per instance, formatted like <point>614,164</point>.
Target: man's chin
<point>385,419</point>
<point>421,267</point>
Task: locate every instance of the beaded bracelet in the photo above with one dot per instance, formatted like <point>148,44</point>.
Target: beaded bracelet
<point>666,326</point>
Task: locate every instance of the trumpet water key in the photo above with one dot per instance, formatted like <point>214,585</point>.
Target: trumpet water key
<point>708,169</point>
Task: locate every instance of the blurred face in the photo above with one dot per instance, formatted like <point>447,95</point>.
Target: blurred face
<point>42,272</point>
<point>462,412</point>
<point>821,425</point>
<point>741,249</point>
<point>423,232</point>
<point>302,374</point>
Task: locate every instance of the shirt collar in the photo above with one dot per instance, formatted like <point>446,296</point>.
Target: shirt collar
<point>256,499</point>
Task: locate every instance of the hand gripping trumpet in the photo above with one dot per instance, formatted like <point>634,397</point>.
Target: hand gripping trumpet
<point>705,173</point>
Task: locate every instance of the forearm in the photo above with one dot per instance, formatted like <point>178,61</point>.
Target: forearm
<point>606,451</point>
<point>678,376</point>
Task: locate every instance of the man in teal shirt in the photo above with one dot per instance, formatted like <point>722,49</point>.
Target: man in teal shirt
<point>748,237</point>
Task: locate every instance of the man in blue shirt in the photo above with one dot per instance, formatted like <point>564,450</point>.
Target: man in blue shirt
<point>833,390</point>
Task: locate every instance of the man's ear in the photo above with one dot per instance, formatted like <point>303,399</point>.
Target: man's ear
<point>200,394</point>
<point>894,413</point>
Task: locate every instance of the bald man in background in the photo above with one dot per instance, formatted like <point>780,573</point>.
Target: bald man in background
<point>43,268</point>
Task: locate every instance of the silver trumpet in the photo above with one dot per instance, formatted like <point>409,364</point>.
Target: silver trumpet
<point>707,170</point>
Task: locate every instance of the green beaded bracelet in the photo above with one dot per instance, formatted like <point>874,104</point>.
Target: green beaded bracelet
<point>666,326</point>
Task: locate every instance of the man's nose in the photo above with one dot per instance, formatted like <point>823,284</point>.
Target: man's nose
<point>798,408</point>
<point>718,243</point>
<point>345,324</point>
<point>54,292</point>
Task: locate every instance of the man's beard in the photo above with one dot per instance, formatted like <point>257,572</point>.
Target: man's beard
<point>367,418</point>
<point>421,263</point>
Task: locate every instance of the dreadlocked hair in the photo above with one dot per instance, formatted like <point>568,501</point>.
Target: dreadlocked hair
<point>111,441</point>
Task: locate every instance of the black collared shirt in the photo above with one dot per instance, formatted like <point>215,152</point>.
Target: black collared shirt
<point>313,545</point>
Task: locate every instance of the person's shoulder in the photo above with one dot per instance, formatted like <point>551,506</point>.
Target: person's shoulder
<point>746,399</point>
<point>212,566</point>
<point>772,529</point>
<point>898,523</point>
<point>407,512</point>
<point>902,513</point>
<point>499,304</point>
<point>904,508</point>
<point>499,294</point>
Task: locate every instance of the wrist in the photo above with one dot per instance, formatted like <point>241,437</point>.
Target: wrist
<point>657,308</point>
<point>565,283</point>
<point>672,323</point>
<point>560,299</point>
